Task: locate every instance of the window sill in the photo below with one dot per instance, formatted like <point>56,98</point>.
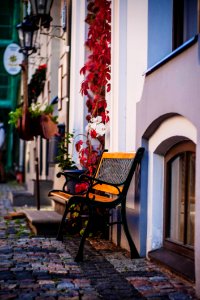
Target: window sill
<point>173,54</point>
<point>175,262</point>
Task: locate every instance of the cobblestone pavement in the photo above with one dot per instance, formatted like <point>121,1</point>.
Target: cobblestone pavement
<point>43,268</point>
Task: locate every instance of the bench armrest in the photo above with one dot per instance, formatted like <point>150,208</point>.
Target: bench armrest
<point>96,182</point>
<point>88,178</point>
<point>68,175</point>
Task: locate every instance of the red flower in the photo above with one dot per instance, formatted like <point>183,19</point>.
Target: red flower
<point>81,187</point>
<point>93,133</point>
<point>41,67</point>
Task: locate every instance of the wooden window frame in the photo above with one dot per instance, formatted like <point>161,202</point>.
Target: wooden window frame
<point>60,87</point>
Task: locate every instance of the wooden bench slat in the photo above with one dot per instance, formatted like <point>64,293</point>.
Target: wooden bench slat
<point>107,189</point>
<point>64,196</point>
<point>59,194</point>
<point>119,155</point>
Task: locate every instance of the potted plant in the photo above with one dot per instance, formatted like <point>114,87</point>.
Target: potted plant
<point>67,165</point>
<point>72,183</point>
<point>42,122</point>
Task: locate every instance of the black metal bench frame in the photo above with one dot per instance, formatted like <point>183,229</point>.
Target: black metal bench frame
<point>108,190</point>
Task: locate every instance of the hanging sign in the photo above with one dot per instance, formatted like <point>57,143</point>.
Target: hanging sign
<point>12,59</point>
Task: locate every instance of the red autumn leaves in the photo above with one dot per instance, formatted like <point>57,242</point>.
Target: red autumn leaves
<point>97,68</point>
<point>96,81</point>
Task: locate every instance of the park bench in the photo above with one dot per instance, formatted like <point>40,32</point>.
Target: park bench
<point>107,190</point>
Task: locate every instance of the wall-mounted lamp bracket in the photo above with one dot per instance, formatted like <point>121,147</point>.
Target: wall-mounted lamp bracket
<point>54,32</point>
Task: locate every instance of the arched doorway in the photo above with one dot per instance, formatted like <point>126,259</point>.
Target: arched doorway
<point>179,208</point>
<point>171,155</point>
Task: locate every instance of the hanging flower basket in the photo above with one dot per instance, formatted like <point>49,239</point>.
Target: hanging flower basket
<point>38,122</point>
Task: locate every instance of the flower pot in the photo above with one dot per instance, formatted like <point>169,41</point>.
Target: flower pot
<point>48,128</point>
<point>71,182</point>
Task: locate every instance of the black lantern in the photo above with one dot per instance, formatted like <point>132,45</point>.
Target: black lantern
<point>27,31</point>
<point>41,10</point>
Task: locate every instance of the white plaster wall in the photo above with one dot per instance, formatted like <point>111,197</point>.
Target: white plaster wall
<point>136,63</point>
<point>176,126</point>
<point>128,62</point>
<point>77,102</point>
<point>118,76</point>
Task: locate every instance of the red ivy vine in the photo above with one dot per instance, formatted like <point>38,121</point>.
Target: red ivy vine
<point>97,71</point>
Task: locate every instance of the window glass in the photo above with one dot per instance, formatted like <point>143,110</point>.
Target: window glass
<point>177,199</point>
<point>191,201</point>
<point>184,21</point>
<point>6,17</point>
<point>180,195</point>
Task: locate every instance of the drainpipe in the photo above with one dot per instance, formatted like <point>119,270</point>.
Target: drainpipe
<point>69,13</point>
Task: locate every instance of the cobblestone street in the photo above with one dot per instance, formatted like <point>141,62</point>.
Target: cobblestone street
<point>43,268</point>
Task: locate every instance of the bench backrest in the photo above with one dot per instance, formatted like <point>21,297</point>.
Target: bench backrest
<point>117,168</point>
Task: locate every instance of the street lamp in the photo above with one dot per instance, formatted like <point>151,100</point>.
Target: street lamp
<point>27,31</point>
<point>27,36</point>
<point>41,11</point>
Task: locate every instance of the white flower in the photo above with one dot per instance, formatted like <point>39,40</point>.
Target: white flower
<point>100,129</point>
<point>97,125</point>
<point>33,106</point>
<point>98,119</point>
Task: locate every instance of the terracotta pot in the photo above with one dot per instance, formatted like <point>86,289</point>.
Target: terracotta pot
<point>47,126</point>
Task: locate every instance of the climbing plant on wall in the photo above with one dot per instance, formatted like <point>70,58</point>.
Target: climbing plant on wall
<point>96,83</point>
<point>36,84</point>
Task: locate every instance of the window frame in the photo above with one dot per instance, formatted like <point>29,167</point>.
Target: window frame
<point>182,17</point>
<point>183,147</point>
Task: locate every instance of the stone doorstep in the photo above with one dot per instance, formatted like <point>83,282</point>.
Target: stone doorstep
<point>24,197</point>
<point>43,223</point>
<point>175,262</point>
<point>21,198</point>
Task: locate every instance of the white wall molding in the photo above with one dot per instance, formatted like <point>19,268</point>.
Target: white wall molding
<point>78,37</point>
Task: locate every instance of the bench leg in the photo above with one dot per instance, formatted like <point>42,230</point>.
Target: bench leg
<point>79,256</point>
<point>133,250</point>
<point>62,223</point>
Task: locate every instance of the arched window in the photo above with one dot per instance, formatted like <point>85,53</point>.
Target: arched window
<point>180,198</point>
